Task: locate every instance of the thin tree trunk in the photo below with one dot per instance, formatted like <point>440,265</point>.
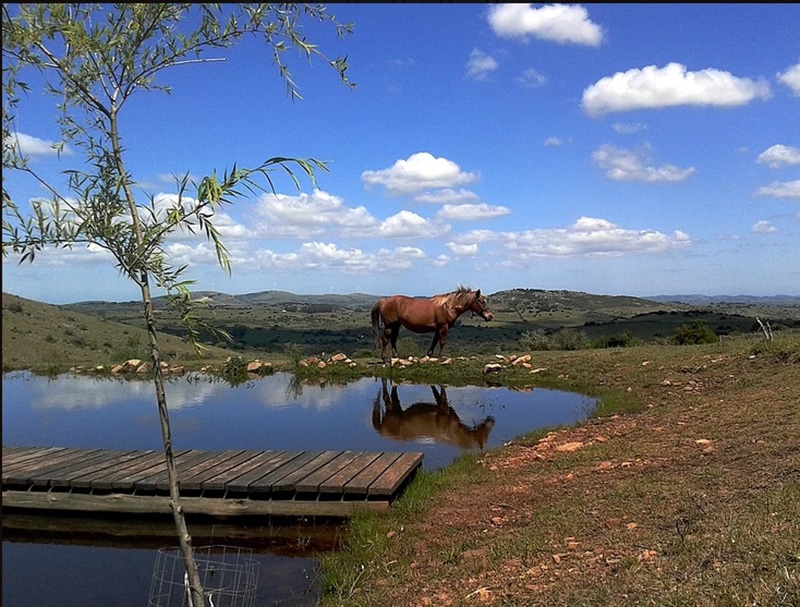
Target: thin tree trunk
<point>184,539</point>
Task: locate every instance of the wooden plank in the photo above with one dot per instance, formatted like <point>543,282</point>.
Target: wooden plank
<point>159,481</point>
<point>284,478</point>
<point>208,482</point>
<point>15,455</point>
<point>40,466</point>
<point>253,461</point>
<point>242,482</point>
<point>264,483</point>
<point>266,475</point>
<point>313,482</point>
<point>30,459</point>
<point>133,476</point>
<point>361,482</point>
<point>391,479</point>
<point>340,481</point>
<point>192,480</point>
<point>43,477</point>
<point>105,461</point>
<point>154,504</point>
<point>84,481</point>
<point>11,450</point>
<point>123,477</point>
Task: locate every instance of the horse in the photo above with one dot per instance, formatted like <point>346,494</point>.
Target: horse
<point>437,421</point>
<point>436,314</point>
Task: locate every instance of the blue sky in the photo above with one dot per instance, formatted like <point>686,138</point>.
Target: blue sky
<point>608,148</point>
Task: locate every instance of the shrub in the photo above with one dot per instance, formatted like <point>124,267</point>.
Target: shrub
<point>626,339</point>
<point>535,340</point>
<point>696,332</point>
<point>294,352</point>
<point>569,339</point>
<point>408,346</point>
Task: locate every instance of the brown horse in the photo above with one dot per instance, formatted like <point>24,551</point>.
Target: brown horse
<point>424,315</point>
<point>437,421</point>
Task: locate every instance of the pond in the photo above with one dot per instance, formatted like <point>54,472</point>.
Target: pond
<point>91,562</point>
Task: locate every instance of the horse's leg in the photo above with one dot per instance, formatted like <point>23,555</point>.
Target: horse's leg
<point>440,398</point>
<point>439,337</point>
<point>385,336</point>
<point>394,331</point>
<point>433,344</point>
<point>376,410</point>
<point>395,400</point>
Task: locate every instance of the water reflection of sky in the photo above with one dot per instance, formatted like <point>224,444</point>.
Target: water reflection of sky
<point>274,412</point>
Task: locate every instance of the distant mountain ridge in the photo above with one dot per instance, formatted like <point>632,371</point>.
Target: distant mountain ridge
<point>509,299</point>
<point>697,299</point>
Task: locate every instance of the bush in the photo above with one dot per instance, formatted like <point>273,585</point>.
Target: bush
<point>569,339</point>
<point>625,339</point>
<point>696,332</point>
<point>408,346</point>
<point>535,340</point>
<point>294,352</point>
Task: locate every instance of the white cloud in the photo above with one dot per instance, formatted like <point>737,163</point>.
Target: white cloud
<point>420,171</point>
<point>448,196</point>
<point>562,23</point>
<point>673,85</point>
<point>463,250</point>
<point>33,146</point>
<point>763,227</point>
<point>625,165</point>
<point>781,189</point>
<point>305,215</point>
<point>791,78</point>
<point>181,254</point>
<point>531,79</point>
<point>406,224</point>
<point>400,258</point>
<point>779,155</point>
<point>441,261</point>
<point>480,65</point>
<point>470,212</point>
<point>312,256</point>
<point>553,141</point>
<point>592,237</point>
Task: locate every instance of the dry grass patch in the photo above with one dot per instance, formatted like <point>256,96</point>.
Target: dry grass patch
<point>693,501</point>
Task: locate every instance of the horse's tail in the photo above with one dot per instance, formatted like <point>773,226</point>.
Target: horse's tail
<point>376,320</point>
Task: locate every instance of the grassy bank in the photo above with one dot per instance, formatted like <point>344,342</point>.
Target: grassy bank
<point>694,500</point>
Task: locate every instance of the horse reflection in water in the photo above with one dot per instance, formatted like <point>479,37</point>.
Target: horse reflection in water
<point>437,420</point>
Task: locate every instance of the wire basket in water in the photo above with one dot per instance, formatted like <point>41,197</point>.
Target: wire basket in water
<point>229,576</point>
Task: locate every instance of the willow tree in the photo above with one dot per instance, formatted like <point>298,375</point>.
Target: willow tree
<point>93,58</point>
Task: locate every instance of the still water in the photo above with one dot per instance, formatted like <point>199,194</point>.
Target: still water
<point>60,563</point>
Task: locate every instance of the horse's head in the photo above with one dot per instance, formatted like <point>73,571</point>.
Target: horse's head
<point>480,307</point>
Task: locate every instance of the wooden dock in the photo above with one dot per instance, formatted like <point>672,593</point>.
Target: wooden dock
<point>216,483</point>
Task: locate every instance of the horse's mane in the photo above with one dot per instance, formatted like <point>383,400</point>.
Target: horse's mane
<point>444,298</point>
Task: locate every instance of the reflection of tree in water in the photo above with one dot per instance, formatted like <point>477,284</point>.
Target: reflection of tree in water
<point>437,420</point>
<point>294,389</point>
